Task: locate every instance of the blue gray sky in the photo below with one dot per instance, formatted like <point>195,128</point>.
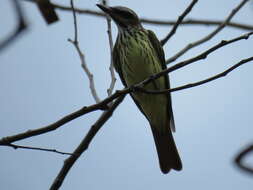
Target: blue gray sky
<point>41,80</point>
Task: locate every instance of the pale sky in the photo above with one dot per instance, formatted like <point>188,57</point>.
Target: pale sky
<point>41,80</point>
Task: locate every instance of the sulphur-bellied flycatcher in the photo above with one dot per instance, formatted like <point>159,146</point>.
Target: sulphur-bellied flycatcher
<point>138,54</point>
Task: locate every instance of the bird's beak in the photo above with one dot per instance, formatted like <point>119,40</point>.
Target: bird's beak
<point>106,9</point>
<point>111,12</point>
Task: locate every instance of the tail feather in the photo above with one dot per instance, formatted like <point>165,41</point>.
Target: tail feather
<point>166,150</point>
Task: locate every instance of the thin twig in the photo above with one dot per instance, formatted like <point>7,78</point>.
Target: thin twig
<point>179,20</point>
<point>111,68</point>
<point>190,85</point>
<point>103,104</point>
<point>209,36</point>
<point>82,58</point>
<point>20,27</point>
<point>59,123</point>
<point>69,162</point>
<point>155,21</point>
<point>241,156</point>
<point>37,148</point>
<point>197,22</point>
<point>75,22</point>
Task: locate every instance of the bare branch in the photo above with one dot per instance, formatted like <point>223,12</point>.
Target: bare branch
<point>197,22</point>
<point>109,104</point>
<point>37,148</point>
<point>156,22</point>
<point>69,162</point>
<point>21,26</point>
<point>209,36</point>
<point>201,56</point>
<point>190,85</point>
<point>77,10</point>
<point>59,123</point>
<point>179,20</point>
<point>94,129</point>
<point>241,156</point>
<point>103,104</point>
<point>82,58</point>
<point>111,68</point>
<point>47,11</point>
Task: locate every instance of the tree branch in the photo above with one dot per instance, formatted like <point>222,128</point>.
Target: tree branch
<point>201,56</point>
<point>209,36</point>
<point>155,21</point>
<point>108,103</point>
<point>103,104</point>
<point>69,162</point>
<point>111,68</point>
<point>82,57</point>
<point>47,11</point>
<point>37,148</point>
<point>56,125</point>
<point>20,27</point>
<point>179,20</point>
<point>197,22</point>
<point>241,156</point>
<point>190,85</point>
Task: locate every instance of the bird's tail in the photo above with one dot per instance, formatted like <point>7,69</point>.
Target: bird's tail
<point>166,150</point>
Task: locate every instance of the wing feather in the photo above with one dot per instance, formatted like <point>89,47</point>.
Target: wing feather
<point>160,53</point>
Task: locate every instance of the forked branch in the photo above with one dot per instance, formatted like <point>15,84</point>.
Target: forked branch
<point>241,156</point>
<point>104,103</point>
<point>210,35</point>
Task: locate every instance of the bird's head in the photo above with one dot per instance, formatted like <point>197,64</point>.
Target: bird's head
<point>122,16</point>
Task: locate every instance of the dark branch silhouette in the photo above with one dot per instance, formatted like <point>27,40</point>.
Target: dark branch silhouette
<point>69,162</point>
<point>210,35</point>
<point>201,22</point>
<point>47,11</point>
<point>37,148</point>
<point>191,21</point>
<point>241,156</point>
<point>109,105</point>
<point>179,20</point>
<point>201,56</point>
<point>104,103</point>
<point>20,27</point>
<point>190,85</point>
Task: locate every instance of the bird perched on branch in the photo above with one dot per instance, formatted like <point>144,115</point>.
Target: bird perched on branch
<point>138,54</point>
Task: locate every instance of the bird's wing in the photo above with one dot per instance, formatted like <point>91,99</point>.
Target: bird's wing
<point>160,53</point>
<point>116,64</point>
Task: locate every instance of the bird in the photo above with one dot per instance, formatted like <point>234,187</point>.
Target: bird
<point>137,55</point>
